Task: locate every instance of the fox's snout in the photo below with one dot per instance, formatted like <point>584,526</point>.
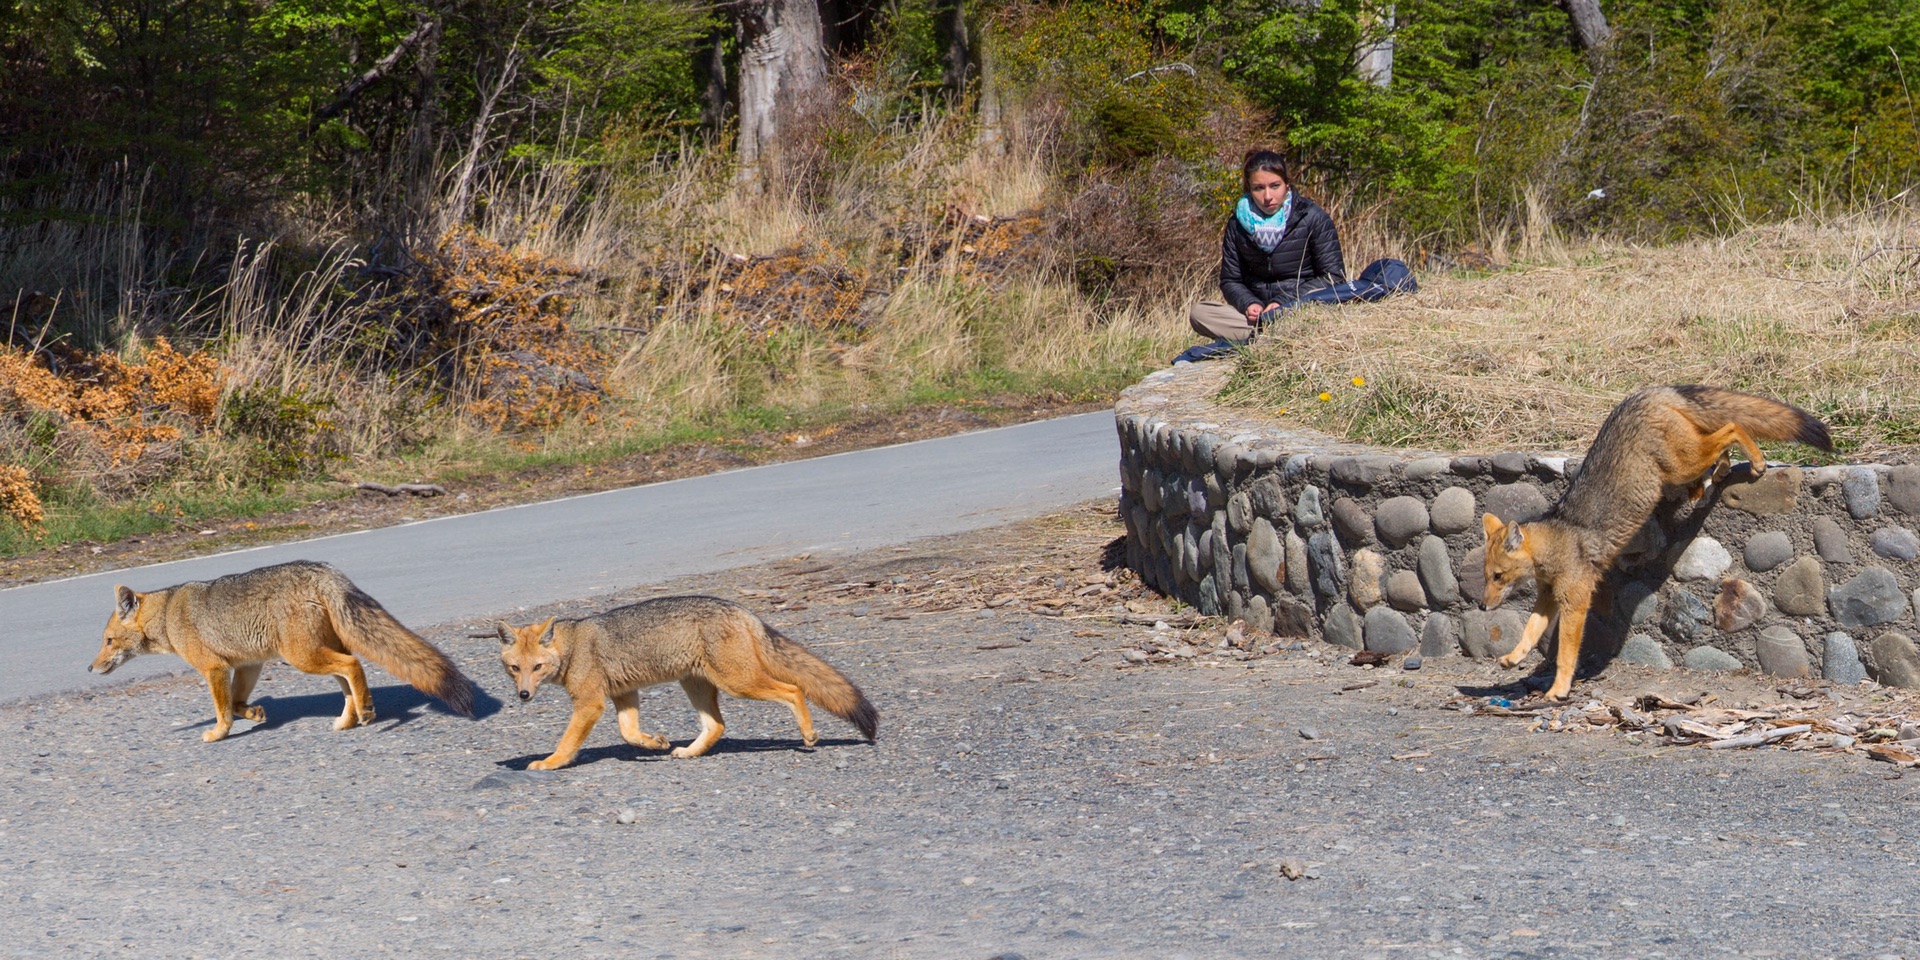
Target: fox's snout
<point>1493,598</point>
<point>108,660</point>
<point>526,695</point>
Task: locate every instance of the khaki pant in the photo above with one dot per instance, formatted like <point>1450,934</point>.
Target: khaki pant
<point>1213,318</point>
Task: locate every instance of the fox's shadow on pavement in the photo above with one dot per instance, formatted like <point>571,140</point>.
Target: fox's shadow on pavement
<point>394,705</point>
<point>632,754</point>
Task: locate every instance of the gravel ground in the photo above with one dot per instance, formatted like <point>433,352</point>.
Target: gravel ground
<point>1032,793</point>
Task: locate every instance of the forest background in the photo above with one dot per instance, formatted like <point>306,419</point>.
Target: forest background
<point>251,247</point>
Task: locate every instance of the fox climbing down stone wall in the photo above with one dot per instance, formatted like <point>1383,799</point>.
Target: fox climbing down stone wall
<point>1805,572</point>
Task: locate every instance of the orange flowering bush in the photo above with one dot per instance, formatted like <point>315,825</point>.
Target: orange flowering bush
<point>119,408</point>
<point>17,497</point>
<point>498,318</point>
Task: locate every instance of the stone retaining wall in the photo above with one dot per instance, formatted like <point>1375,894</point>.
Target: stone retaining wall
<point>1805,572</point>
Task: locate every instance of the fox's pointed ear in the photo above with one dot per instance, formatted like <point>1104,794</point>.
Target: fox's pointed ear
<point>125,602</point>
<point>504,631</point>
<point>1512,543</point>
<point>1492,523</point>
<point>546,632</point>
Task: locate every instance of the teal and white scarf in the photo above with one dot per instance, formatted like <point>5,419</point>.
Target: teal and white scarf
<point>1265,231</point>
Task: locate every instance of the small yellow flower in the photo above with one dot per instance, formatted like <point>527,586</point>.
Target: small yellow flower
<point>1324,397</point>
<point>1283,409</point>
<point>1359,381</point>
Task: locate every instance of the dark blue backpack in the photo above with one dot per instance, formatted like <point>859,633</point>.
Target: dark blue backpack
<point>1381,279</point>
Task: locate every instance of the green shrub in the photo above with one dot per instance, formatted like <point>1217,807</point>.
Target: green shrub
<point>284,434</point>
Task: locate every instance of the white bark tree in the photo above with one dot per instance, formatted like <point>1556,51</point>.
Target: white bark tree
<point>1374,61</point>
<point>1590,28</point>
<point>783,60</point>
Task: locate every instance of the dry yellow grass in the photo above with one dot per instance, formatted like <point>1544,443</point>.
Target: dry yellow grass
<point>1821,313</point>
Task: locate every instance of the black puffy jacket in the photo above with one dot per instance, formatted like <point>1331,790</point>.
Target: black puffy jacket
<point>1306,259</point>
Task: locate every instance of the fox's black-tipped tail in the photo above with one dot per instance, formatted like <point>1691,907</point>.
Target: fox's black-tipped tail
<point>823,684</point>
<point>1764,417</point>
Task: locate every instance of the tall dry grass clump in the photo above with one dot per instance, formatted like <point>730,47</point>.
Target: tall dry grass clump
<point>1821,312</point>
<point>862,270</point>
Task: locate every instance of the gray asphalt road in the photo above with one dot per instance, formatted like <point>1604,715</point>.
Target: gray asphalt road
<point>493,563</point>
<point>1031,794</point>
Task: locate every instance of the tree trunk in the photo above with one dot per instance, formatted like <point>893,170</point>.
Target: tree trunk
<point>782,61</point>
<point>1590,28</point>
<point>1374,60</point>
<point>956,56</point>
<point>417,175</point>
<point>992,133</point>
<point>713,83</point>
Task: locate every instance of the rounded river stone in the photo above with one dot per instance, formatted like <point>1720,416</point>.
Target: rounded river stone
<point>1840,660</point>
<point>1388,632</point>
<point>1768,550</point>
<point>1872,597</point>
<point>1830,541</point>
<point>1644,650</point>
<point>1350,518</point>
<point>1703,559</point>
<point>1369,569</point>
<point>1801,590</point>
<point>1404,591</point>
<point>1453,511</point>
<point>1512,502</point>
<point>1738,605</point>
<point>1896,543</point>
<point>1862,491</point>
<point>1399,520</point>
<point>1439,636</point>
<point>1710,658</point>
<point>1781,653</point>
<point>1436,572</point>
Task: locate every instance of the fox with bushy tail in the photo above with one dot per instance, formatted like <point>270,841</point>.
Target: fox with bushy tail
<point>1657,438</point>
<point>706,643</point>
<point>308,614</point>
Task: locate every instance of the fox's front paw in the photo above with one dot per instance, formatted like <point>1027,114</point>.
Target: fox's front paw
<point>256,714</point>
<point>1509,661</point>
<point>217,734</point>
<point>550,763</point>
<point>686,752</point>
<point>652,741</point>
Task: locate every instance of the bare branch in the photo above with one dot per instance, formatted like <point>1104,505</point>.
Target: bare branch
<point>380,69</point>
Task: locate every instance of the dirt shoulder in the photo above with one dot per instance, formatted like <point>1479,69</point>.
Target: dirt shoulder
<point>366,509</point>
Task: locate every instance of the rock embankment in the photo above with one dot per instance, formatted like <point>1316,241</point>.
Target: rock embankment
<point>1804,572</point>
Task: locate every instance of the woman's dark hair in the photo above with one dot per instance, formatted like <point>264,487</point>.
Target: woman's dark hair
<point>1258,160</point>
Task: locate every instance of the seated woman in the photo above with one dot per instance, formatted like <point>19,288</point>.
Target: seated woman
<point>1278,246</point>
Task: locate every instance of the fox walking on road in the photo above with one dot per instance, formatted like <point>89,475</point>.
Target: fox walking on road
<point>706,643</point>
<point>1656,438</point>
<point>308,614</point>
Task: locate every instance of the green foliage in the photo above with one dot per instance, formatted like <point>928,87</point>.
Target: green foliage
<point>1126,82</point>
<point>289,434</point>
<point>624,62</point>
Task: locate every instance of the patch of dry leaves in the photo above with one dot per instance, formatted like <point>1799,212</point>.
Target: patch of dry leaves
<point>1878,722</point>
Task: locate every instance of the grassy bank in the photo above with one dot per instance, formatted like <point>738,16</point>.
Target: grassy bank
<point>578,316</point>
<point>1822,311</point>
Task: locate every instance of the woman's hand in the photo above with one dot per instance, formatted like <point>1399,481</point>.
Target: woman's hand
<point>1253,312</point>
